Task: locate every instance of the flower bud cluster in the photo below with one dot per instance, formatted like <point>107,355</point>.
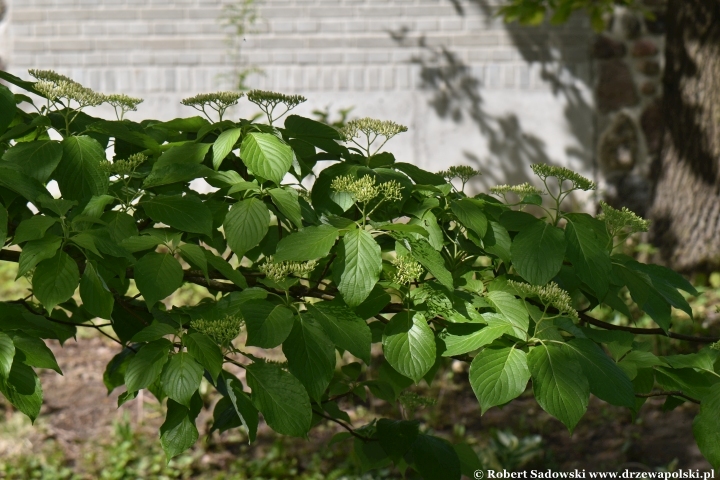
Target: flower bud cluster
<point>407,270</point>
<point>55,86</point>
<point>366,188</point>
<point>371,127</point>
<point>617,220</point>
<point>522,189</point>
<point>461,172</point>
<point>69,90</point>
<point>279,271</point>
<point>412,400</point>
<point>123,102</point>
<point>125,167</point>
<point>269,100</point>
<point>219,99</point>
<point>223,331</point>
<point>550,294</point>
<point>561,173</point>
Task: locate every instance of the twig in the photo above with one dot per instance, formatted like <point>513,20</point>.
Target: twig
<point>674,393</point>
<point>345,426</point>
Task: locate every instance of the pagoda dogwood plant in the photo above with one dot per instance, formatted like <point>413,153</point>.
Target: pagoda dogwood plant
<point>376,252</point>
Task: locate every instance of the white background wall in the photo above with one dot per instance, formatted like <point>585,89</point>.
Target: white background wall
<point>472,89</point>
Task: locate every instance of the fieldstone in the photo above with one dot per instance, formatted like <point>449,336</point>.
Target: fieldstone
<point>650,68</point>
<point>605,48</point>
<point>644,48</point>
<point>656,26</point>
<point>657,8</point>
<point>651,122</point>
<point>616,88</point>
<point>648,88</point>
<point>619,145</point>
<point>631,26</point>
<point>628,190</point>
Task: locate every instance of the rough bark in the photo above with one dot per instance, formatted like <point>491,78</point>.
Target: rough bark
<point>686,203</point>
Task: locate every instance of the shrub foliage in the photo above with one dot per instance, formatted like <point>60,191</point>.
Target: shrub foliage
<point>375,252</point>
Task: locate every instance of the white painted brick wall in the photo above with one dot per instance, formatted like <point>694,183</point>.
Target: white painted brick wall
<point>388,58</point>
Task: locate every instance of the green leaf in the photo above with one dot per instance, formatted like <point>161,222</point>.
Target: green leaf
<point>157,275</point>
<point>181,377</point>
<point>396,436</point>
<point>706,427</point>
<point>203,349</point>
<point>189,152</point>
<point>95,294</point>
<point>244,407</point>
<point>429,258</point>
<point>409,345</point>
<point>497,375</point>
<point>246,224</point>
<point>55,280</point>
<point>226,269</point>
<point>358,266</point>
<point>419,175</point>
<point>36,159</point>
<point>281,398</point>
<point>286,200</point>
<point>33,228</point>
<point>22,388</point>
<point>497,242</point>
<point>404,227</point>
<point>310,355</point>
<point>512,310</point>
<point>267,325</point>
<point>559,384</point>
<point>309,243</point>
<point>434,458</point>
<point>373,304</point>
<point>36,251</point>
<point>178,432</point>
<point>145,367</point>
<point>587,250</point>
<point>155,331</point>
<point>176,173</point>
<point>138,243</point>
<point>224,145</point>
<point>80,174</point>
<point>537,252</point>
<point>7,107</point>
<point>645,295</point>
<point>467,337</point>
<point>470,214</point>
<point>606,380</point>
<point>22,184</point>
<point>36,353</point>
<point>195,255</point>
<point>345,329</point>
<point>187,213</point>
<point>119,225</point>
<point>266,156</point>
<point>7,352</point>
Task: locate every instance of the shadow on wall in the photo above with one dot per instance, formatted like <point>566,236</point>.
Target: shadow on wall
<point>456,94</point>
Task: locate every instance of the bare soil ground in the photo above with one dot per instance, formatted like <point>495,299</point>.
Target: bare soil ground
<point>77,409</point>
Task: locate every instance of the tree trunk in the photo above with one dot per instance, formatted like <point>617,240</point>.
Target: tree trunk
<point>686,204</point>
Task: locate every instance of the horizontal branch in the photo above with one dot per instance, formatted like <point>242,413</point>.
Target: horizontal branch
<point>646,331</point>
<point>673,393</point>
